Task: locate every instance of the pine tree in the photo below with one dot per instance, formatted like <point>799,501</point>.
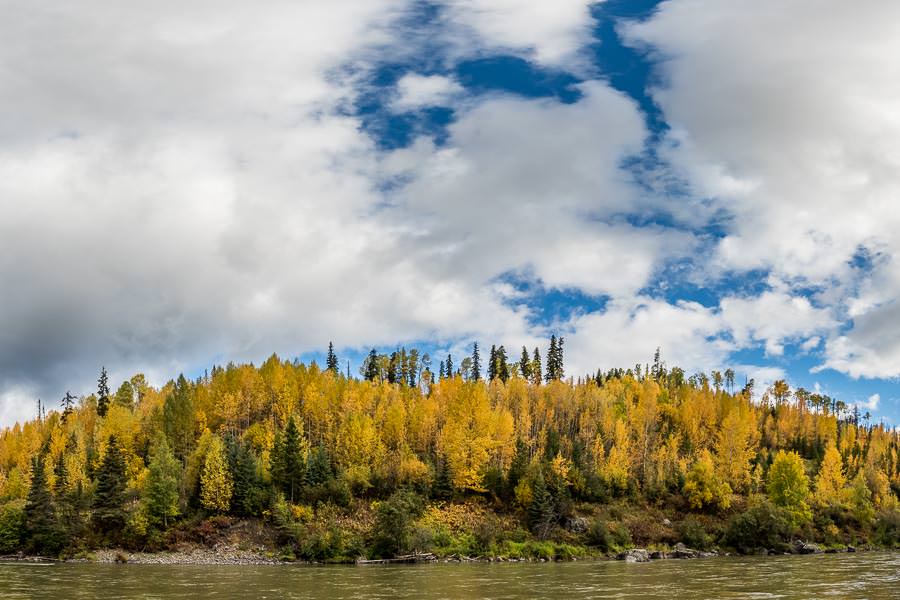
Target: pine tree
<point>331,362</point>
<point>318,469</point>
<point>449,366</point>
<point>371,366</point>
<point>551,360</point>
<point>441,371</point>
<point>525,364</point>
<point>68,404</point>
<point>492,364</point>
<point>108,507</point>
<point>502,366</point>
<point>476,363</point>
<point>393,374</point>
<point>442,488</point>
<point>161,488</point>
<point>518,466</point>
<point>413,367</point>
<point>541,511</point>
<point>244,475</point>
<point>288,464</point>
<point>103,393</point>
<point>41,526</point>
<point>536,368</point>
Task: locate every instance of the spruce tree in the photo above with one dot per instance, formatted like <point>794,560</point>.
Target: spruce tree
<point>178,418</point>
<point>502,367</point>
<point>492,364</point>
<point>371,370</point>
<point>551,360</point>
<point>68,404</point>
<point>442,488</point>
<point>476,363</point>
<point>244,475</point>
<point>518,466</point>
<point>318,469</point>
<point>288,465</point>
<point>449,366</point>
<point>394,367</point>
<point>161,488</point>
<point>331,362</point>
<point>536,368</point>
<point>541,511</point>
<point>41,526</point>
<point>525,364</point>
<point>103,393</point>
<point>441,371</point>
<point>108,507</point>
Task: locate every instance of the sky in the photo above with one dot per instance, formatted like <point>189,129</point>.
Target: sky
<point>183,185</point>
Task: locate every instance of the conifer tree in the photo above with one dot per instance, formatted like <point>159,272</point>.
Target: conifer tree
<point>331,362</point>
<point>475,373</point>
<point>502,366</point>
<point>441,370</point>
<point>449,366</point>
<point>492,364</point>
<point>518,466</point>
<point>371,366</point>
<point>318,469</point>
<point>125,395</point>
<point>442,488</point>
<point>393,374</point>
<point>108,507</point>
<point>288,463</point>
<point>178,418</point>
<point>41,526</point>
<point>412,369</point>
<point>541,511</point>
<point>551,360</point>
<point>525,364</point>
<point>536,368</point>
<point>161,488</point>
<point>244,475</point>
<point>68,404</point>
<point>103,393</point>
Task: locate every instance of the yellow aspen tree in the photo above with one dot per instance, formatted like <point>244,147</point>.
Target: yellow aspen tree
<point>216,484</point>
<point>734,450</point>
<point>830,481</point>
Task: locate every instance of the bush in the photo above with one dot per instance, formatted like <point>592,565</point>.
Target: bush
<point>608,537</point>
<point>887,528</point>
<point>761,526</point>
<point>12,526</point>
<point>694,535</point>
<point>394,520</point>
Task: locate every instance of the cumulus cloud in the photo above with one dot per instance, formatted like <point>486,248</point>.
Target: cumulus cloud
<point>418,91</point>
<point>786,114</point>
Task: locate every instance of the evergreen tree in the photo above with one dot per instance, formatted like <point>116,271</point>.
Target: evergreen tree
<point>41,526</point>
<point>518,466</point>
<point>525,364</point>
<point>331,362</point>
<point>449,366</point>
<point>412,369</point>
<point>161,488</point>
<point>288,465</point>
<point>68,404</point>
<point>244,475</point>
<point>125,395</point>
<point>541,511</point>
<point>178,418</point>
<point>318,469</point>
<point>371,366</point>
<point>492,364</point>
<point>441,371</point>
<point>393,374</point>
<point>442,488</point>
<point>502,366</point>
<point>103,393</point>
<point>536,368</point>
<point>108,507</point>
<point>475,373</point>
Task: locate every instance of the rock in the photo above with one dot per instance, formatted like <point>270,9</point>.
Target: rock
<point>121,558</point>
<point>801,547</point>
<point>851,549</point>
<point>577,524</point>
<point>658,555</point>
<point>635,555</point>
<point>667,522</point>
<point>682,551</point>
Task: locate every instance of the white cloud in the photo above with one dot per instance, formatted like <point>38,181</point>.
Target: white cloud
<point>788,115</point>
<point>419,91</point>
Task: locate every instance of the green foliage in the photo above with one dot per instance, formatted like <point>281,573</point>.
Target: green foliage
<point>288,461</point>
<point>608,537</point>
<point>542,515</point>
<point>43,531</point>
<point>693,534</point>
<point>249,497</point>
<point>161,487</point>
<point>393,523</point>
<point>178,418</point>
<point>108,508</point>
<point>887,527</point>
<point>763,525</point>
<point>216,485</point>
<point>442,486</point>
<point>788,486</point>
<point>12,526</point>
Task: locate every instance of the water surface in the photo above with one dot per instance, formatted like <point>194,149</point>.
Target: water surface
<point>864,575</point>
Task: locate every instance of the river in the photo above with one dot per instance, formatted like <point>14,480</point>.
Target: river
<point>846,576</point>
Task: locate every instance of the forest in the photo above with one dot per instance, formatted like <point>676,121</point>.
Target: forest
<point>477,457</point>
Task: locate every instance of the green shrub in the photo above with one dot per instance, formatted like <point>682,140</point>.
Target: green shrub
<point>393,523</point>
<point>694,535</point>
<point>887,528</point>
<point>763,525</point>
<point>12,526</point>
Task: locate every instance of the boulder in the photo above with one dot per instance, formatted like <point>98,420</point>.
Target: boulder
<point>682,551</point>
<point>851,549</point>
<point>657,555</point>
<point>801,547</point>
<point>636,555</point>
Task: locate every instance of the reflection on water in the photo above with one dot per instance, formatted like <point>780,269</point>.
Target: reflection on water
<point>865,575</point>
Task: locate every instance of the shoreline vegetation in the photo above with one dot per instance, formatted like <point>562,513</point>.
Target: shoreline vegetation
<point>290,462</point>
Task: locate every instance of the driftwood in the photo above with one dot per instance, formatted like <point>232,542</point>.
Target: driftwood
<point>407,558</point>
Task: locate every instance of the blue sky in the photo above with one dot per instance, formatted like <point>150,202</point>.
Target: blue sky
<point>714,179</point>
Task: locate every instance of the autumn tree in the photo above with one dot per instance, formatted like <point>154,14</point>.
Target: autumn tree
<point>830,480</point>
<point>788,485</point>
<point>216,485</point>
<point>103,393</point>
